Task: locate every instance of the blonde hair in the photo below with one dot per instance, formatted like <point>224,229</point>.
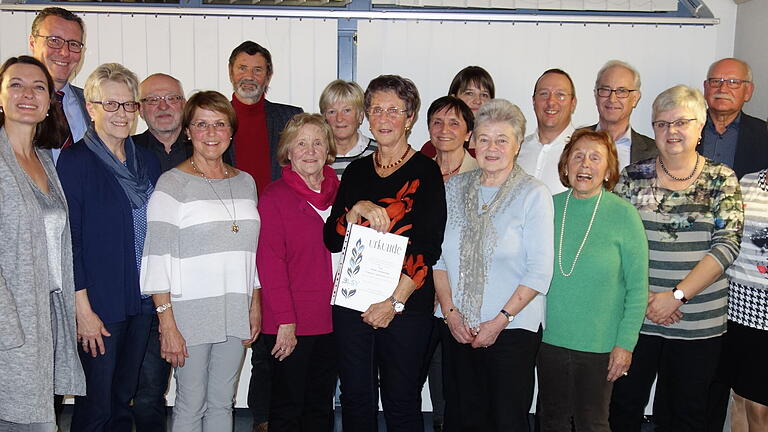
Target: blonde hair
<point>114,72</point>
<point>292,129</point>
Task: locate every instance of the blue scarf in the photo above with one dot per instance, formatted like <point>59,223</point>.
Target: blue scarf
<point>132,176</point>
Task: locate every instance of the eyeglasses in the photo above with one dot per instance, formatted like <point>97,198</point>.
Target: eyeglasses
<point>733,83</point>
<point>155,100</point>
<point>679,123</point>
<point>391,112</point>
<point>621,92</point>
<point>202,126</point>
<point>546,94</point>
<point>112,106</point>
<point>56,42</point>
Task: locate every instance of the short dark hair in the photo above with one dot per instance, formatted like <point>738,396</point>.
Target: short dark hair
<point>57,12</point>
<point>404,88</point>
<point>452,103</point>
<point>52,130</point>
<point>251,48</point>
<point>601,137</point>
<point>558,72</point>
<point>212,101</point>
<point>472,75</point>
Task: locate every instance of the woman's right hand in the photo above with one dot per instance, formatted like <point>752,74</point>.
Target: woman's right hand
<point>458,327</point>
<point>90,330</point>
<point>376,216</point>
<point>173,347</point>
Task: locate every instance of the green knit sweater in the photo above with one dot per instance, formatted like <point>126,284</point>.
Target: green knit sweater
<point>603,302</point>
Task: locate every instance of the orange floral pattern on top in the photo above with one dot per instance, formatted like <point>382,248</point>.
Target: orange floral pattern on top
<point>396,209</point>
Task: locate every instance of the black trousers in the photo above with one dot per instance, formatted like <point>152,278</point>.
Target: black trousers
<point>149,411</point>
<point>433,368</point>
<point>489,389</point>
<point>260,387</point>
<point>391,358</point>
<point>303,385</point>
<point>686,370</point>
<point>573,384</point>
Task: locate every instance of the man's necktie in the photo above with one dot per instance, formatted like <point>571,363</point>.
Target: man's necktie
<point>60,107</point>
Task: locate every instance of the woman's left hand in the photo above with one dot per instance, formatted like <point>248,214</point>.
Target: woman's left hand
<point>379,314</point>
<point>618,363</point>
<point>489,331</point>
<point>254,317</point>
<point>663,308</point>
<point>286,341</point>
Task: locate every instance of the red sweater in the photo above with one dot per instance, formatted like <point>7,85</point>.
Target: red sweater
<point>252,151</point>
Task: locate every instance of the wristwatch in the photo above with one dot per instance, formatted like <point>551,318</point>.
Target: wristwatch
<point>679,295</point>
<point>508,315</point>
<point>398,305</point>
<point>162,308</point>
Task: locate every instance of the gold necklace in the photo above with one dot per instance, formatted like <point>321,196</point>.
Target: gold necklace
<point>376,160</point>
<point>235,226</point>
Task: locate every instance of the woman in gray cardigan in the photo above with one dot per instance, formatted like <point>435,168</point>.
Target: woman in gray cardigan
<point>38,355</point>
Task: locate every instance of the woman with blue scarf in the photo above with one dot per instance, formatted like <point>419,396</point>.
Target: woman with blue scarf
<point>107,181</point>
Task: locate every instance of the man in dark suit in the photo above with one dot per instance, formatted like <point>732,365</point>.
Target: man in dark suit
<point>56,40</point>
<point>730,136</point>
<point>259,121</point>
<point>617,92</point>
<point>740,141</point>
<point>254,150</point>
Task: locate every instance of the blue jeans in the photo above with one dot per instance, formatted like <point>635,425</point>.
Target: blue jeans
<point>149,412</point>
<point>111,378</point>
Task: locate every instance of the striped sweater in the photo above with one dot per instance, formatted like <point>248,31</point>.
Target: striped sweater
<point>683,227</point>
<point>192,252</point>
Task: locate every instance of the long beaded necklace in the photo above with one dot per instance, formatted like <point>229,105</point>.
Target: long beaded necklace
<point>235,227</point>
<point>376,157</point>
<point>690,176</point>
<point>583,241</point>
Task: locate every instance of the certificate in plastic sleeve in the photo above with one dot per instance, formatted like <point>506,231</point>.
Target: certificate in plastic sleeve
<point>370,267</point>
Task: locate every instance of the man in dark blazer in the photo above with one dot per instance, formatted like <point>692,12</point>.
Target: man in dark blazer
<point>56,40</point>
<point>254,150</point>
<point>730,136</point>
<point>617,92</point>
<point>260,121</point>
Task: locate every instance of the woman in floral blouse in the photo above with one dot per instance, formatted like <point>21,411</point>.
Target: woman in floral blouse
<point>692,211</point>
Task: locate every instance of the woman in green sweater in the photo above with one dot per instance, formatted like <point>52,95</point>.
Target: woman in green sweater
<point>599,290</point>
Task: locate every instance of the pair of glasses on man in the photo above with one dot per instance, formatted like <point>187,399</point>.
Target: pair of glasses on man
<point>112,106</point>
<point>732,83</point>
<point>155,100</point>
<point>621,92</point>
<point>56,42</point>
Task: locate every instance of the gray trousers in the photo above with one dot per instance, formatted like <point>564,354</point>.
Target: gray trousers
<point>6,426</point>
<point>206,386</point>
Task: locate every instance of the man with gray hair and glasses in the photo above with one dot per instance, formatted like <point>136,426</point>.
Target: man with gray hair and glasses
<point>617,92</point>
<point>56,40</point>
<point>731,136</point>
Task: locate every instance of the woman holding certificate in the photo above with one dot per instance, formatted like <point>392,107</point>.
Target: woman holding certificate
<point>400,191</point>
<point>296,277</point>
<point>495,269</point>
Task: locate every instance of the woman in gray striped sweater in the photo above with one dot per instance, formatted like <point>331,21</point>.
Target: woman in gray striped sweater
<point>199,264</point>
<point>692,212</point>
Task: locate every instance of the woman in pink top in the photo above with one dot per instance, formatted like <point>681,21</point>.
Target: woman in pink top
<point>297,278</point>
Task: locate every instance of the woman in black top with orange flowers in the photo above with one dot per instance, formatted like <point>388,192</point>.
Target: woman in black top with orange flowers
<point>395,190</point>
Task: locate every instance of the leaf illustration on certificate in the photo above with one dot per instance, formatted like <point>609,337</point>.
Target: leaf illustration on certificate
<point>355,258</point>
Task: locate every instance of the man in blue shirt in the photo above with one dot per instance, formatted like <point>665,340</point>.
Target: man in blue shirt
<point>56,40</point>
<point>730,136</point>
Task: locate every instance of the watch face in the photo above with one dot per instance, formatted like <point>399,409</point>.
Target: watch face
<point>399,307</point>
<point>678,294</point>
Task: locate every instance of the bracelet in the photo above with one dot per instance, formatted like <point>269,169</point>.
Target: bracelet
<point>163,307</point>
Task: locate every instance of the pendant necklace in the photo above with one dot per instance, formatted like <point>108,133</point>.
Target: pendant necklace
<point>235,227</point>
<point>583,241</point>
